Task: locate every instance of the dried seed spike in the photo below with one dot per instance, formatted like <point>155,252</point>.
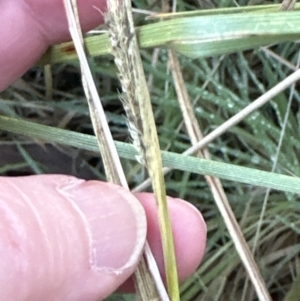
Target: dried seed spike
<point>137,104</point>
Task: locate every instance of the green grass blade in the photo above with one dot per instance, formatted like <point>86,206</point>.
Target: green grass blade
<point>172,160</point>
<point>200,36</point>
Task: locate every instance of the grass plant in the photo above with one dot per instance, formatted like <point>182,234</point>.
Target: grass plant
<point>256,157</point>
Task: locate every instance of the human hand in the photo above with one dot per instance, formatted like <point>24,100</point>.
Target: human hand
<point>62,238</point>
<point>29,27</point>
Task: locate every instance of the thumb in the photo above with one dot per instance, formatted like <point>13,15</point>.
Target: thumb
<point>62,238</point>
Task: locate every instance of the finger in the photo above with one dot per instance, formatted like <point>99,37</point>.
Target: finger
<point>34,25</point>
<point>66,239</point>
<point>189,231</point>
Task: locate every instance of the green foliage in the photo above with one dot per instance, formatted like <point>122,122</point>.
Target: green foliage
<point>219,87</point>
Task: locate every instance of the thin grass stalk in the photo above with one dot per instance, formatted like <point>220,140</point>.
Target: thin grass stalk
<point>215,184</point>
<point>234,120</point>
<point>48,82</point>
<point>286,5</point>
<point>137,104</point>
<point>276,157</point>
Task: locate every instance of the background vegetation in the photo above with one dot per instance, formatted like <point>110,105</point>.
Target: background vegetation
<point>219,88</point>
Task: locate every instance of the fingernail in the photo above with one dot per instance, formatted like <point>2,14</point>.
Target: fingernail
<point>115,222</point>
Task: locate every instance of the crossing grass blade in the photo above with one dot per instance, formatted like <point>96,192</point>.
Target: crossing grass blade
<point>201,34</point>
<point>231,172</point>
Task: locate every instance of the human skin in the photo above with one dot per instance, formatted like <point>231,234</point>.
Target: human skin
<point>63,238</point>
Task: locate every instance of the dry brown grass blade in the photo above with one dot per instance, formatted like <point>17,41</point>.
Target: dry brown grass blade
<point>215,184</point>
<point>112,164</point>
<point>111,161</point>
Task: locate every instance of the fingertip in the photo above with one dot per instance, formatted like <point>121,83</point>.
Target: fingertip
<point>34,25</point>
<point>116,221</point>
<point>190,236</point>
<point>52,20</point>
<point>189,231</point>
<point>67,239</point>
